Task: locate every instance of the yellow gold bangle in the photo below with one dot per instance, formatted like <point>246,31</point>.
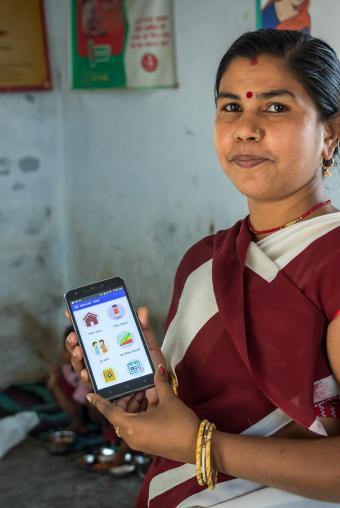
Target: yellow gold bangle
<point>211,473</point>
<point>204,453</point>
<point>199,451</point>
<point>173,382</point>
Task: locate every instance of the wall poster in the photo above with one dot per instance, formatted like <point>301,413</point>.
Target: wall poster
<point>319,18</point>
<point>122,44</point>
<point>284,14</point>
<point>24,62</point>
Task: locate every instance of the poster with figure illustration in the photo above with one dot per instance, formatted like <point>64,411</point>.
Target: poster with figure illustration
<point>122,44</point>
<point>284,14</point>
<point>320,18</point>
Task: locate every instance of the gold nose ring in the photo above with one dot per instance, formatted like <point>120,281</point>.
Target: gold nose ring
<point>258,133</point>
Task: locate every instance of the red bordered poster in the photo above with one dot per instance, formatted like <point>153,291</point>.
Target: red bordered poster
<point>24,64</point>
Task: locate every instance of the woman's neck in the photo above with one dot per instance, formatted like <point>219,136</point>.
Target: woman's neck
<point>267,215</point>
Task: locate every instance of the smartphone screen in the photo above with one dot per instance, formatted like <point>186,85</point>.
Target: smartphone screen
<point>114,347</point>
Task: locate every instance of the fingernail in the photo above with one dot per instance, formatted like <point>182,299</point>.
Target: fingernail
<point>68,338</point>
<point>74,353</point>
<point>89,397</point>
<point>161,369</point>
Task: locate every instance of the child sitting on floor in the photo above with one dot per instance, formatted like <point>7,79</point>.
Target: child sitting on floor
<point>69,390</point>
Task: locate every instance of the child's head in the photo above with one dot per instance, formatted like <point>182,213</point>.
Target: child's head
<point>94,344</point>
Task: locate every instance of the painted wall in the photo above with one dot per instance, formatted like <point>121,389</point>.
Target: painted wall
<point>31,217</point>
<point>143,180</point>
<point>95,184</point>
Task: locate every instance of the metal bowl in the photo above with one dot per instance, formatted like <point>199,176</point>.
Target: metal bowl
<point>105,454</point>
<point>122,470</point>
<point>87,460</point>
<point>60,441</point>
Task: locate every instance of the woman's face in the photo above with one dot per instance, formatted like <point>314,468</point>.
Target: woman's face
<point>262,94</point>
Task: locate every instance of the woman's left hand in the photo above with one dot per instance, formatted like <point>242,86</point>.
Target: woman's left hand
<point>168,430</point>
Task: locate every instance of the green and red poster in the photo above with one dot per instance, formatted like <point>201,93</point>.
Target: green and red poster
<point>122,44</point>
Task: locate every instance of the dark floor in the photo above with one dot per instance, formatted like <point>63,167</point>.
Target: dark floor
<point>30,477</point>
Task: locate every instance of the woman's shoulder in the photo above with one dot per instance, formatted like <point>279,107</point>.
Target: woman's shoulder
<point>202,251</point>
<point>324,250</point>
<point>319,268</point>
<point>195,257</point>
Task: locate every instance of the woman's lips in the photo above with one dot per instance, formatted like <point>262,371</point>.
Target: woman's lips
<point>248,161</point>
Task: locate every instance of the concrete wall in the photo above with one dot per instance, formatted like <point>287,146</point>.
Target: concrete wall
<point>143,179</point>
<point>94,184</point>
<point>32,241</point>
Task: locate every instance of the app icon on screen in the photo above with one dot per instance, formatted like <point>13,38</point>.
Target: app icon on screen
<point>91,319</point>
<point>125,339</point>
<point>109,375</point>
<point>116,311</point>
<point>135,367</point>
<point>100,347</point>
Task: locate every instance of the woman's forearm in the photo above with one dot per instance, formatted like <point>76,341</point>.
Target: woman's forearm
<point>307,467</point>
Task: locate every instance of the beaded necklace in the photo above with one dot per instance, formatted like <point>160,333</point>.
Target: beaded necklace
<point>290,223</point>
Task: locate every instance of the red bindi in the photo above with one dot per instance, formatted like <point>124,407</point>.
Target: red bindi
<point>249,95</point>
<point>253,60</point>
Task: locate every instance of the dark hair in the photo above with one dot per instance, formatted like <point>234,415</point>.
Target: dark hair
<point>312,61</point>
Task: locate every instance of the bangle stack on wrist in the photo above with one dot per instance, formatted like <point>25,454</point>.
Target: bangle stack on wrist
<point>205,472</point>
<point>173,382</point>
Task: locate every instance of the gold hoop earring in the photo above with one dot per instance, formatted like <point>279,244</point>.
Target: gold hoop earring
<point>327,166</point>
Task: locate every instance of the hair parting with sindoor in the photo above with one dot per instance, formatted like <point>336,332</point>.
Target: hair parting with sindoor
<point>310,60</point>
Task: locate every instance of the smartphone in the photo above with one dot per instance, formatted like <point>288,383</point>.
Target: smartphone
<point>115,351</point>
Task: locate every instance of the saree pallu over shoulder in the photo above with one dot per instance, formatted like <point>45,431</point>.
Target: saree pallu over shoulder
<point>273,325</point>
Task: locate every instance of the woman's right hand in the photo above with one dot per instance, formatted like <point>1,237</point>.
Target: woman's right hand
<point>132,403</point>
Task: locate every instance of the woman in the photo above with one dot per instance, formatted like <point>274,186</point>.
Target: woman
<point>253,337</point>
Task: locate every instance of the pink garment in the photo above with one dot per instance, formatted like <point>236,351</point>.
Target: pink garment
<point>81,389</point>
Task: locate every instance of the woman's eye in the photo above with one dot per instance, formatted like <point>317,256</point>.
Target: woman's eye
<point>231,107</point>
<point>277,108</point>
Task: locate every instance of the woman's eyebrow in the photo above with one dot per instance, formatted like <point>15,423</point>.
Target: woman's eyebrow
<point>227,95</point>
<point>279,92</point>
<point>275,93</point>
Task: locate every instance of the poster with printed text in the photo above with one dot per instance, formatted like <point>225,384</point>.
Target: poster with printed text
<point>320,18</point>
<point>122,44</point>
<point>24,62</point>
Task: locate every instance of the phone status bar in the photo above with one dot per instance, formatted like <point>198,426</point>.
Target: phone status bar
<point>96,295</point>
